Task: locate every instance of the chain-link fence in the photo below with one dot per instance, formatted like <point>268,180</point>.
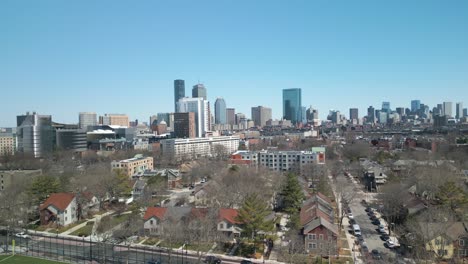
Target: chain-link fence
<point>82,250</point>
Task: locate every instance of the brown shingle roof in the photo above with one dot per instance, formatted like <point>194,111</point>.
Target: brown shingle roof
<point>229,215</point>
<point>58,200</point>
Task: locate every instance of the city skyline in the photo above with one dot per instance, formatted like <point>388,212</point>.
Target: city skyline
<point>62,59</point>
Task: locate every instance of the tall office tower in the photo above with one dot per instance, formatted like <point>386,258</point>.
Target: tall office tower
<point>220,111</point>
<point>459,110</point>
<point>260,115</point>
<point>335,116</point>
<point>199,90</point>
<point>231,116</point>
<point>114,120</point>
<point>35,134</point>
<point>164,117</point>
<point>184,125</point>
<point>415,105</point>
<point>240,117</point>
<point>153,121</point>
<point>303,115</point>
<point>465,112</point>
<point>447,109</point>
<point>292,103</point>
<point>179,92</point>
<point>87,119</point>
<point>386,107</point>
<point>312,114</point>
<point>200,107</point>
<point>371,114</point>
<point>441,109</point>
<point>353,114</point>
<point>400,111</point>
<point>383,117</point>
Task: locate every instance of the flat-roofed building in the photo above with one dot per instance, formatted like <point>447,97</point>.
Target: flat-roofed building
<point>191,148</point>
<point>7,143</point>
<point>134,165</point>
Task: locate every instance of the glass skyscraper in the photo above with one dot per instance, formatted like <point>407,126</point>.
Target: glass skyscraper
<point>415,105</point>
<point>179,92</point>
<point>220,111</point>
<point>292,105</point>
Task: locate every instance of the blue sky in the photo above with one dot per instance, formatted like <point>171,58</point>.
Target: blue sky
<point>62,57</point>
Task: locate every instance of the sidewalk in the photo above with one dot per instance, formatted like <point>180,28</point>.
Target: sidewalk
<point>95,219</point>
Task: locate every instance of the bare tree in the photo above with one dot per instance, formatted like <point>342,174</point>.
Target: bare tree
<point>345,194</point>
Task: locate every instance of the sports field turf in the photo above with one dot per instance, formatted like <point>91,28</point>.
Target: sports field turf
<point>17,259</point>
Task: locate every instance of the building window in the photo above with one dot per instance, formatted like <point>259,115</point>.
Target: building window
<point>221,226</point>
<point>65,210</point>
<point>66,218</point>
<point>461,242</point>
<point>151,222</point>
<point>321,237</point>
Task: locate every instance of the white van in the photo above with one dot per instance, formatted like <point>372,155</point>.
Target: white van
<point>356,230</point>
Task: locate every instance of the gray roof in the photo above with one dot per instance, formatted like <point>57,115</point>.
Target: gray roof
<point>320,221</point>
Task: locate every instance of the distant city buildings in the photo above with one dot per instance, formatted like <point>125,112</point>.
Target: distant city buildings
<point>192,148</point>
<point>312,114</point>
<point>447,109</point>
<point>200,107</point>
<point>199,90</point>
<point>415,105</point>
<point>7,142</point>
<point>184,125</point>
<point>354,114</point>
<point>292,105</point>
<point>114,120</point>
<point>35,134</point>
<point>87,119</point>
<point>179,92</point>
<point>220,111</point>
<point>371,114</point>
<point>260,115</point>
<point>231,116</point>
<point>386,107</point>
<point>71,139</point>
<point>459,110</point>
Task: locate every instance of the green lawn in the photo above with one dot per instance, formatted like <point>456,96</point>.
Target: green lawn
<point>17,259</point>
<point>84,231</point>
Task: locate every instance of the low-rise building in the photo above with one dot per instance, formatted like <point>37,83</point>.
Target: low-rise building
<point>60,209</point>
<point>133,165</point>
<point>7,143</point>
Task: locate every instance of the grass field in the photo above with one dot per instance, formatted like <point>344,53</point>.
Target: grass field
<point>17,259</point>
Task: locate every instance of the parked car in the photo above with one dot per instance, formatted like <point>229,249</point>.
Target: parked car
<point>385,237</point>
<point>246,261</point>
<point>350,216</point>
<point>364,247</point>
<point>368,209</point>
<point>389,243</point>
<point>212,260</point>
<point>376,221</point>
<point>382,229</point>
<point>376,254</point>
<point>22,235</point>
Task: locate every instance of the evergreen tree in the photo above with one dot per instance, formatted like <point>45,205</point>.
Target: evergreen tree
<point>292,194</point>
<point>41,187</point>
<point>252,215</point>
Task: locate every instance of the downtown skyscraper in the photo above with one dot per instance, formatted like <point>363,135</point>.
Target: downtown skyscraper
<point>199,90</point>
<point>292,105</point>
<point>220,111</point>
<point>179,92</point>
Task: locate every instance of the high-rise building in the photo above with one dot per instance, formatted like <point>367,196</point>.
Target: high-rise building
<point>114,120</point>
<point>220,111</point>
<point>415,105</point>
<point>386,107</point>
<point>400,111</point>
<point>465,112</point>
<point>260,115</point>
<point>459,110</point>
<point>353,114</point>
<point>179,92</point>
<point>383,117</point>
<point>371,114</point>
<point>7,141</point>
<point>303,115</point>
<point>292,103</point>
<point>199,90</point>
<point>87,119</point>
<point>312,114</point>
<point>231,116</point>
<point>35,134</point>
<point>200,107</point>
<point>240,118</point>
<point>447,109</point>
<point>184,125</point>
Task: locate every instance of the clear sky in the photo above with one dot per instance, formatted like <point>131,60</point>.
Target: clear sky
<point>63,57</point>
